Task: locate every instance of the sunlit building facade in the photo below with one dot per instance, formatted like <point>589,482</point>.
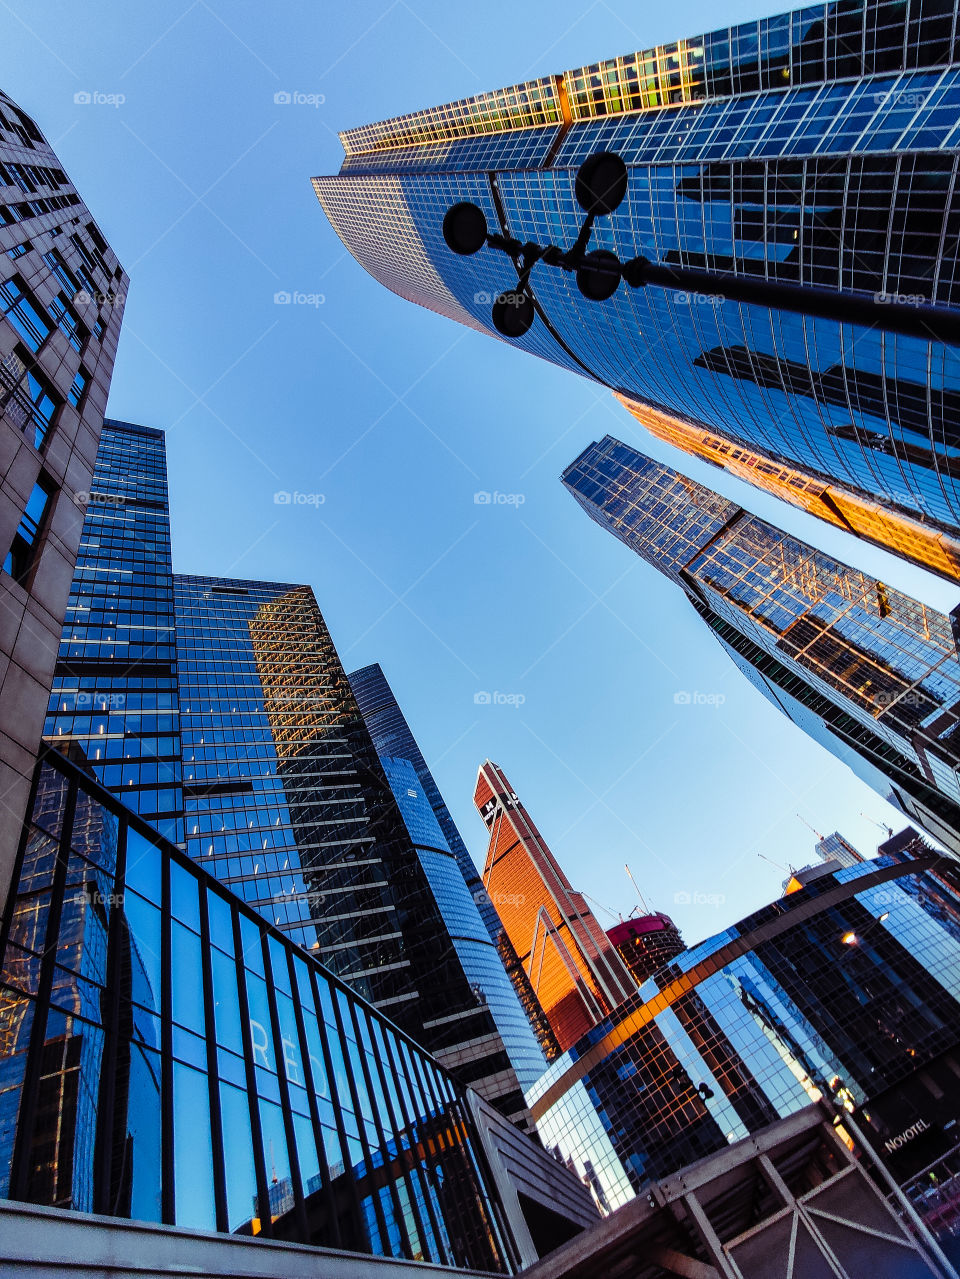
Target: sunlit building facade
<point>288,802</point>
<point>869,672</point>
<point>847,987</point>
<point>168,1056</point>
<point>576,973</point>
<point>62,294</point>
<point>510,1048</point>
<point>924,544</point>
<point>817,147</point>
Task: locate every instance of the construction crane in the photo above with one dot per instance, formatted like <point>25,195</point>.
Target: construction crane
<point>882,825</point>
<point>808,826</point>
<point>646,908</point>
<point>616,916</point>
<point>788,868</point>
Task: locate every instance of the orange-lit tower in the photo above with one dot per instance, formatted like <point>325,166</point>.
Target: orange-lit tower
<point>575,971</point>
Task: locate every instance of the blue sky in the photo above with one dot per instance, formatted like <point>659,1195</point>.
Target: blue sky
<point>396,418</point>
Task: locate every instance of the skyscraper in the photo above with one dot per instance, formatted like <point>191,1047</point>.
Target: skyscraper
<point>576,973</point>
<point>115,695</point>
<point>817,147</point>
<point>847,985</point>
<point>288,802</point>
<point>219,711</point>
<point>646,943</point>
<point>865,517</point>
<point>62,294</point>
<point>471,919</point>
<point>867,671</point>
<point>834,848</point>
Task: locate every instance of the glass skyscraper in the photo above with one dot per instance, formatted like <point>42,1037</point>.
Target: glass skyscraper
<point>848,986</point>
<point>871,673</point>
<point>114,702</point>
<point>287,801</point>
<point>817,147</point>
<point>167,1055</point>
<point>218,709</point>
<point>454,880</point>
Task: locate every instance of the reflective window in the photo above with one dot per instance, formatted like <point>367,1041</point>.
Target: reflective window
<point>283,1137</point>
<point>193,1149</point>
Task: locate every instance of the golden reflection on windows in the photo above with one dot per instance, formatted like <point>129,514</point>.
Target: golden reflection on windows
<point>912,540</point>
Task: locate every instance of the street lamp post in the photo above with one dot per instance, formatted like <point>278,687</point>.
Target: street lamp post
<point>601,185</point>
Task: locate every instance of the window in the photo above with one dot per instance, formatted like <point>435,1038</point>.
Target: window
<point>18,250</point>
<point>23,314</point>
<point>21,555</point>
<point>25,396</point>
<point>67,322</point>
<point>59,268</point>
<point>79,388</point>
<point>21,178</point>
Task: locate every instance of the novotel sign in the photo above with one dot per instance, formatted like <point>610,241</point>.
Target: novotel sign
<point>897,1143</point>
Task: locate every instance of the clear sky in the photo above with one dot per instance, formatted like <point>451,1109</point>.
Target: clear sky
<point>397,417</point>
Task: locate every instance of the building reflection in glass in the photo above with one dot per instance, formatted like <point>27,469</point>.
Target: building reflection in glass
<point>868,671</point>
<point>817,147</point>
<point>169,1056</point>
<point>848,985</point>
<point>843,507</point>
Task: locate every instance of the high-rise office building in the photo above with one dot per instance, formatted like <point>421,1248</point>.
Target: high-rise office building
<point>834,848</point>
<point>646,943</point>
<point>115,698</point>
<point>867,671</point>
<point>577,975</point>
<point>62,293</point>
<point>817,147</point>
<point>923,543</point>
<point>454,879</point>
<point>847,986</point>
<point>287,801</point>
<point>169,1056</point>
<point>219,711</point>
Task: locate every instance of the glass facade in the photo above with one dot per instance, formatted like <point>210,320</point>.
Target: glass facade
<point>855,513</point>
<point>818,147</point>
<point>219,710</point>
<point>114,702</point>
<point>469,915</point>
<point>576,973</point>
<point>288,802</point>
<point>848,986</point>
<point>167,1055</point>
<point>868,671</point>
<point>248,814</point>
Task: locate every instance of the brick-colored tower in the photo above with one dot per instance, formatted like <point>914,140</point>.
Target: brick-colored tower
<point>575,971</point>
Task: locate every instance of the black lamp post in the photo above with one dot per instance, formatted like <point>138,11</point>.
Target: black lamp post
<point>601,184</point>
